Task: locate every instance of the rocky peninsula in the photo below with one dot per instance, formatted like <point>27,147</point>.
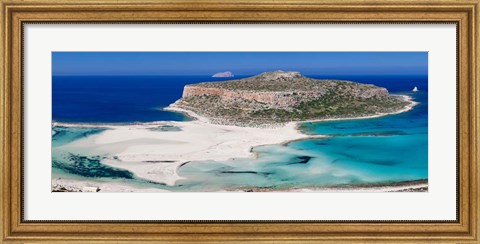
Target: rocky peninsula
<point>281,97</point>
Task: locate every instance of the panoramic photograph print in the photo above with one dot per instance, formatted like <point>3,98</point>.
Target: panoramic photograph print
<point>239,122</point>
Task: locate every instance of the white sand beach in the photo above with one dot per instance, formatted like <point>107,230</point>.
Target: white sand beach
<point>156,155</point>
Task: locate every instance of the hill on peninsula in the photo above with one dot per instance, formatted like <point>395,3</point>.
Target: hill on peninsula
<point>279,97</point>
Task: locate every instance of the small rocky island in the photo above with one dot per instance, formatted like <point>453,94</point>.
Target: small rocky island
<point>279,97</point>
<point>223,74</point>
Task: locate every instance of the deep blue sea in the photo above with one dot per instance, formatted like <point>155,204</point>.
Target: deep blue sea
<point>123,99</point>
<point>378,150</point>
<point>118,99</point>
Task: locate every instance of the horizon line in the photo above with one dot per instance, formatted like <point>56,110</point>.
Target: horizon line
<point>305,74</point>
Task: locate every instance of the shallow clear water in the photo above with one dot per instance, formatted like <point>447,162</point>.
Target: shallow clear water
<point>378,150</point>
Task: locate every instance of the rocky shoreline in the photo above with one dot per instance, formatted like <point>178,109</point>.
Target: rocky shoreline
<point>410,103</point>
<point>63,185</point>
<point>401,186</point>
<point>279,97</point>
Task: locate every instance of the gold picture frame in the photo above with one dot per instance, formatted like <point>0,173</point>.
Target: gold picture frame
<point>15,13</point>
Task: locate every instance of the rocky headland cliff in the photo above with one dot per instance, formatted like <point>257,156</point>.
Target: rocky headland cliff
<point>279,97</point>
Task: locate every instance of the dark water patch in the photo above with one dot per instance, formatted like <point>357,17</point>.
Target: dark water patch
<point>320,141</point>
<point>90,167</point>
<point>296,160</point>
<point>335,160</point>
<point>381,162</point>
<point>355,158</point>
<point>58,133</point>
<point>238,172</point>
<point>300,160</point>
<point>228,172</point>
<point>159,161</point>
<point>347,155</point>
<point>183,164</point>
<point>152,182</point>
<point>355,180</point>
<point>350,147</point>
<point>165,128</point>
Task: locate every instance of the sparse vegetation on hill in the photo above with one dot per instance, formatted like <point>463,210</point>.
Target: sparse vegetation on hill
<point>279,97</point>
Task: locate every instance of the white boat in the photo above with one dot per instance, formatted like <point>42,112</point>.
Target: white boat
<point>415,89</point>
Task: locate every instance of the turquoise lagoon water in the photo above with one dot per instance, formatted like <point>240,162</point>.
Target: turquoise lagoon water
<point>380,150</point>
<point>367,151</point>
